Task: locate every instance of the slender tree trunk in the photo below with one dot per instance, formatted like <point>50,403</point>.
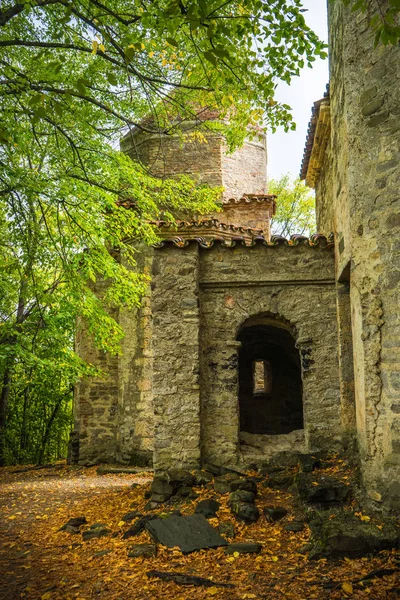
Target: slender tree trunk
<point>46,435</point>
<point>24,429</point>
<point>5,393</point>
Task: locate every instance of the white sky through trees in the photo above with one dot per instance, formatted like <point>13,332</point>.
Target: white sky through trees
<point>285,150</point>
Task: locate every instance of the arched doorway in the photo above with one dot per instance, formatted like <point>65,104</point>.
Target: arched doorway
<point>270,388</point>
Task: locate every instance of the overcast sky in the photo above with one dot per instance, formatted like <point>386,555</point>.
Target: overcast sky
<point>285,150</point>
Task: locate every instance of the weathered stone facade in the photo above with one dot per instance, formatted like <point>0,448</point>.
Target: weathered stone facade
<point>179,370</point>
<point>204,158</point>
<point>357,193</point>
<point>319,318</point>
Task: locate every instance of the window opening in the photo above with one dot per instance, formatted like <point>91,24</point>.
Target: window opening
<point>262,377</point>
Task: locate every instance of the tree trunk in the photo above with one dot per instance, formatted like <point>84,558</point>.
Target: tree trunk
<point>5,393</point>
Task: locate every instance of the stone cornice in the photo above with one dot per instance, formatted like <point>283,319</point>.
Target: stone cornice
<point>207,233</point>
<point>317,138</point>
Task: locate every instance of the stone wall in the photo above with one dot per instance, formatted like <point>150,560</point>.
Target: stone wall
<point>135,432</point>
<point>176,327</point>
<point>169,156</point>
<point>96,399</point>
<point>363,184</point>
<point>174,390</point>
<point>245,170</point>
<point>292,286</point>
<point>113,414</point>
<point>204,158</point>
<point>256,213</point>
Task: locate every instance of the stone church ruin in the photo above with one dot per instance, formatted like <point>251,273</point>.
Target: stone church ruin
<point>248,344</point>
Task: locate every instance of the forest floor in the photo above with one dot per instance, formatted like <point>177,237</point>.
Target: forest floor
<point>37,561</point>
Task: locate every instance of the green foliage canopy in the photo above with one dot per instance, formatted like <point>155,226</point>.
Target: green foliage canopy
<point>295,210</point>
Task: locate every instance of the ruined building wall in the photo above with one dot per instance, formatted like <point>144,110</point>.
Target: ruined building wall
<point>256,214</point>
<point>292,285</point>
<point>168,156</point>
<point>200,299</point>
<point>204,157</point>
<point>113,413</point>
<point>245,170</point>
<point>364,182</point>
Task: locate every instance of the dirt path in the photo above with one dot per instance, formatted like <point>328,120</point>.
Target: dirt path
<point>39,562</point>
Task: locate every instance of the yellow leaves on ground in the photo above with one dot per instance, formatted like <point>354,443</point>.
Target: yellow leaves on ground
<point>347,587</point>
<point>362,517</point>
<point>212,591</point>
<point>62,570</point>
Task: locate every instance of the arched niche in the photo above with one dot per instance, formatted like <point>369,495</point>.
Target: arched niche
<point>270,385</point>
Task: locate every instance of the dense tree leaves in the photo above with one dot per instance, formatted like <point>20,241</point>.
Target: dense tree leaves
<point>295,213</point>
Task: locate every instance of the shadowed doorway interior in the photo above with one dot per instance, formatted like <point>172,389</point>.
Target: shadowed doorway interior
<point>270,389</point>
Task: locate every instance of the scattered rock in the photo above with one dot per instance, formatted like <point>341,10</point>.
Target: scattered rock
<point>134,514</point>
<point>189,533</point>
<point>95,532</point>
<point>161,490</point>
<point>294,526</point>
<point>98,526</point>
<point>321,490</point>
<point>183,579</point>
<point>280,480</point>
<point>308,462</point>
<point>241,496</point>
<point>74,522</point>
<point>217,470</point>
<point>138,527</point>
<point>180,478</point>
<point>274,513</point>
<point>222,483</point>
<point>245,511</point>
<point>208,508</point>
<point>281,461</point>
<point>147,494</point>
<point>142,550</point>
<point>202,477</point>
<point>247,484</point>
<point>243,548</point>
<point>227,529</point>
<point>347,535</point>
<point>72,530</point>
<point>152,505</point>
<point>186,492</point>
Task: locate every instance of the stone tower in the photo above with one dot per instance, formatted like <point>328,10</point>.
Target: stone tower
<point>242,174</point>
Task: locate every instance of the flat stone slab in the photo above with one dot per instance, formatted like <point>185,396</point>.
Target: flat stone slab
<point>243,548</point>
<point>189,533</point>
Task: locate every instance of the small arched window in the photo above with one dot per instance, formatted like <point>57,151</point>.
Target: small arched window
<point>262,377</point>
